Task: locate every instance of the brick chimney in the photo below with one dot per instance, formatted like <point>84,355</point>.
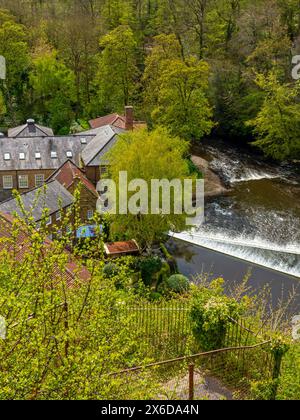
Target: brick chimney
<point>129,118</point>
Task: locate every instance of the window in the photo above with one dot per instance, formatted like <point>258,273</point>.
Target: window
<point>103,170</point>
<point>39,180</point>
<point>69,154</point>
<point>38,155</point>
<point>38,225</point>
<point>8,182</point>
<point>53,155</point>
<point>90,214</point>
<point>58,216</point>
<point>22,156</point>
<point>6,156</point>
<point>49,221</point>
<point>23,181</point>
<point>83,140</point>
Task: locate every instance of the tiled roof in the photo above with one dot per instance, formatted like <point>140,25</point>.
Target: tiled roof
<point>53,198</point>
<point>116,120</point>
<point>115,248</point>
<point>22,245</point>
<point>68,173</point>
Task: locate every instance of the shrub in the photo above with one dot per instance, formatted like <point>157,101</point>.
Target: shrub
<point>210,314</point>
<point>110,270</point>
<point>176,284</point>
<point>149,267</point>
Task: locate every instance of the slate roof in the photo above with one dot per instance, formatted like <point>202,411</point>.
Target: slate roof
<point>55,197</point>
<point>44,145</point>
<point>93,153</point>
<point>68,173</point>
<point>70,274</point>
<point>30,130</point>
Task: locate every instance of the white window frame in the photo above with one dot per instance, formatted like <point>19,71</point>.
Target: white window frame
<point>69,154</point>
<point>41,183</point>
<point>58,216</point>
<point>21,179</point>
<point>7,156</point>
<point>49,221</point>
<point>38,155</point>
<point>22,156</point>
<point>53,155</point>
<point>7,185</point>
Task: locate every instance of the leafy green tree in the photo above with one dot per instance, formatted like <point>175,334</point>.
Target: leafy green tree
<point>14,47</point>
<point>176,90</point>
<point>118,76</point>
<point>53,88</point>
<point>277,125</point>
<point>148,156</point>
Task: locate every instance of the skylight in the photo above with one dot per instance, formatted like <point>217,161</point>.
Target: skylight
<point>38,155</point>
<point>22,156</point>
<point>6,156</point>
<point>83,140</point>
<point>69,154</point>
<point>53,155</point>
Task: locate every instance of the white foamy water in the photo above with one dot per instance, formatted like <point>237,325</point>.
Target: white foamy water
<point>252,250</point>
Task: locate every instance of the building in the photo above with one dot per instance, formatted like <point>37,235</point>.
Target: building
<point>93,156</point>
<point>31,154</point>
<point>30,129</point>
<point>126,122</point>
<point>71,177</point>
<point>54,198</point>
<point>21,245</point>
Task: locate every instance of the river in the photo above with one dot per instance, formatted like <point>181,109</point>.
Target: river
<point>254,227</point>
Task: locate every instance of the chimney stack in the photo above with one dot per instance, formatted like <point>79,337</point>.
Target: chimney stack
<point>129,118</point>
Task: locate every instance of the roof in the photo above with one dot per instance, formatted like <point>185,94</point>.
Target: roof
<point>72,270</point>
<point>116,248</point>
<point>52,197</point>
<point>93,153</point>
<point>68,173</point>
<point>58,145</point>
<point>30,130</point>
<point>116,120</point>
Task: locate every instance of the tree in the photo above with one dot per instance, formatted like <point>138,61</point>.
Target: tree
<point>53,88</point>
<point>64,339</point>
<point>148,156</point>
<point>176,90</point>
<point>118,71</point>
<point>277,124</point>
<point>14,47</point>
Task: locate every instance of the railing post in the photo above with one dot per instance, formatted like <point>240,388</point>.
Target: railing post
<point>191,381</point>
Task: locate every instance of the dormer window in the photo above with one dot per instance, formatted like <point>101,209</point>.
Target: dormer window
<point>53,155</point>
<point>69,154</point>
<point>22,156</point>
<point>7,156</point>
<point>38,155</point>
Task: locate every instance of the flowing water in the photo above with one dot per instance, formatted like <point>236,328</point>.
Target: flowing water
<point>257,222</point>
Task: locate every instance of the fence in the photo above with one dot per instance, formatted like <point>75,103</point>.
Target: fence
<point>224,373</point>
<point>212,375</point>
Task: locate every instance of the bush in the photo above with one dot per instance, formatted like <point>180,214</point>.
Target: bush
<point>149,267</point>
<point>110,270</point>
<point>210,314</point>
<point>176,284</point>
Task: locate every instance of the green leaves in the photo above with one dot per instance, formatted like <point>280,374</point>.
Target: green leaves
<point>277,124</point>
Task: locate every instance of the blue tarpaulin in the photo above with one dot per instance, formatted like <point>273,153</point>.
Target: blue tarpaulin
<point>89,231</point>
